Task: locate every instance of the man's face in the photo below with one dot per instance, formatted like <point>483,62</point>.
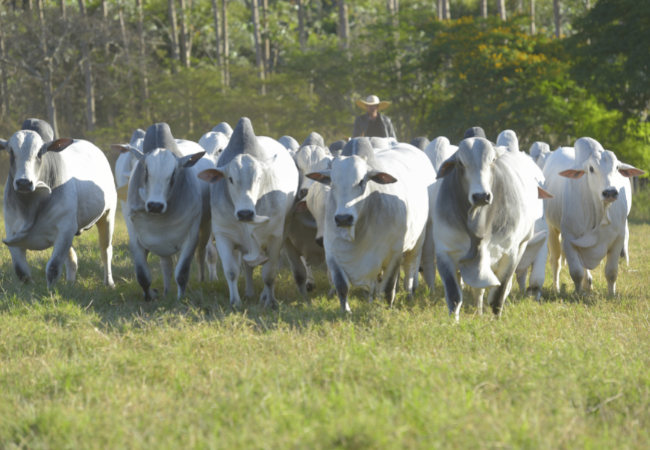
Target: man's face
<point>372,110</point>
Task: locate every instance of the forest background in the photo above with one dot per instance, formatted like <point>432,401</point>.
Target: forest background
<point>551,70</point>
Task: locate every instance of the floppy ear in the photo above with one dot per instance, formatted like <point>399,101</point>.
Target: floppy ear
<point>381,177</point>
<point>572,173</point>
<point>629,171</point>
<point>324,176</point>
<point>301,206</point>
<point>211,175</point>
<point>190,160</point>
<point>138,154</point>
<point>122,148</point>
<point>3,144</point>
<point>543,193</point>
<point>447,166</point>
<point>57,145</point>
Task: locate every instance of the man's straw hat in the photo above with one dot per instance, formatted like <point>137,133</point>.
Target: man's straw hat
<point>371,101</point>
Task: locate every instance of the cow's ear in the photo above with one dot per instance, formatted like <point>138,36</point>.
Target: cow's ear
<point>3,144</point>
<point>543,193</point>
<point>447,167</point>
<point>324,176</point>
<point>211,175</point>
<point>57,145</point>
<point>572,173</point>
<point>629,171</point>
<point>190,160</point>
<point>138,154</point>
<point>120,148</point>
<point>301,206</point>
<point>381,177</point>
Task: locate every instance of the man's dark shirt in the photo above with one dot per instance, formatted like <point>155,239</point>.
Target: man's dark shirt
<point>380,127</point>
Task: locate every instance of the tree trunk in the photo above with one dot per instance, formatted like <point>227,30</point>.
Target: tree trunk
<point>173,35</point>
<point>4,106</point>
<point>502,9</point>
<point>185,45</point>
<point>88,75</point>
<point>558,18</point>
<point>344,25</point>
<point>143,63</point>
<point>484,13</point>
<point>27,5</point>
<point>446,9</point>
<point>226,44</point>
<point>217,32</point>
<point>301,26</point>
<point>64,15</point>
<point>267,38</point>
<point>259,62</point>
<point>125,42</point>
<point>104,9</point>
<point>47,73</point>
<point>441,10</point>
<point>532,18</point>
<point>520,6</point>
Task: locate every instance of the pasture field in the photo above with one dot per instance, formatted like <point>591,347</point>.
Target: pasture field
<point>88,367</point>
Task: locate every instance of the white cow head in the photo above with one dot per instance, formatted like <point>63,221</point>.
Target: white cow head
<point>308,159</point>
<point>474,162</point>
<point>540,151</point>
<point>245,177</point>
<point>26,151</point>
<point>161,169</point>
<point>349,178</point>
<point>602,169</point>
<point>508,139</point>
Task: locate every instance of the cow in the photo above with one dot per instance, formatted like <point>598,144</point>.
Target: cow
<point>336,148</point>
<point>438,151</point>
<point>289,143</point>
<point>56,189</point>
<point>252,196</point>
<point>376,216</point>
<point>314,139</point>
<point>420,142</point>
<point>483,218</point>
<point>540,151</point>
<point>508,139</point>
<point>169,210</point>
<point>213,143</point>
<point>224,128</point>
<point>589,211</point>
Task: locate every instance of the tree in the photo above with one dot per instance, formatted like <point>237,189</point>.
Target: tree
<point>484,11</point>
<point>344,25</point>
<point>173,33</point>
<point>502,9</point>
<point>185,39</point>
<point>532,18</point>
<point>226,43</point>
<point>88,72</point>
<point>557,16</point>
<point>301,25</point>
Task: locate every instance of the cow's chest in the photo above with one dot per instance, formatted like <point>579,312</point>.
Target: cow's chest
<point>162,237</point>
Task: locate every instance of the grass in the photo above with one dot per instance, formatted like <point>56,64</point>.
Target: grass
<point>87,367</point>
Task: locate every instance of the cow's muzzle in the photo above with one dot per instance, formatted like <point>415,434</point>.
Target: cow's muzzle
<point>24,185</point>
<point>245,215</point>
<point>344,220</point>
<point>610,195</point>
<point>481,199</point>
<point>155,207</point>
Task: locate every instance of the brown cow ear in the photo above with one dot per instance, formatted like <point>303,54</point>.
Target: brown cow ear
<point>447,167</point>
<point>121,148</point>
<point>58,145</point>
<point>382,178</point>
<point>211,175</point>
<point>572,173</point>
<point>629,171</point>
<point>322,177</point>
<point>543,193</point>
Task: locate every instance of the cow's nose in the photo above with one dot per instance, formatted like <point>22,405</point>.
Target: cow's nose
<point>245,215</point>
<point>155,207</point>
<point>344,220</point>
<point>303,193</point>
<point>481,199</point>
<point>24,185</point>
<point>319,241</point>
<point>610,194</point>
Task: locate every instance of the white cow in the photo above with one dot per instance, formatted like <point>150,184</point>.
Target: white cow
<point>289,143</point>
<point>438,151</point>
<point>252,197</point>
<point>376,216</point>
<point>484,216</point>
<point>540,151</point>
<point>213,143</point>
<point>508,139</point>
<point>56,189</point>
<point>224,128</point>
<point>169,210</point>
<point>589,210</point>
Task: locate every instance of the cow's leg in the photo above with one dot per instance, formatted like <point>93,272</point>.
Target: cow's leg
<point>60,254</point>
<point>105,227</point>
<point>587,281</point>
<point>230,260</point>
<point>139,254</point>
<point>611,266</point>
<point>478,299</point>
<point>71,265</point>
<point>448,270</point>
<point>538,274</point>
<point>391,278</point>
<point>212,257</point>
<point>576,270</point>
<point>19,259</point>
<point>625,252</point>
<point>311,283</point>
<point>205,235</point>
<point>250,287</point>
<point>521,280</point>
<point>505,271</point>
<point>167,268</point>
<point>428,259</point>
<point>188,250</point>
<point>297,267</point>
<point>332,291</point>
<point>270,272</point>
<point>341,284</point>
<point>411,265</point>
<point>555,250</point>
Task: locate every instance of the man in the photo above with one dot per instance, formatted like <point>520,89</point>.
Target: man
<point>373,124</point>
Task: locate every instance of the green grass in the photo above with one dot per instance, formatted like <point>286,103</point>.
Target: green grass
<point>87,367</point>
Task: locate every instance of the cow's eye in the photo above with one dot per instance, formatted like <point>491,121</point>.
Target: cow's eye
<point>460,164</point>
<point>362,184</point>
<point>231,182</point>
<point>591,169</point>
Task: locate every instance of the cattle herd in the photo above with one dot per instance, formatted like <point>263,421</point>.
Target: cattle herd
<point>370,208</point>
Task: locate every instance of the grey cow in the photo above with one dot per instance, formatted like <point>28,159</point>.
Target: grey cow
<point>56,189</point>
